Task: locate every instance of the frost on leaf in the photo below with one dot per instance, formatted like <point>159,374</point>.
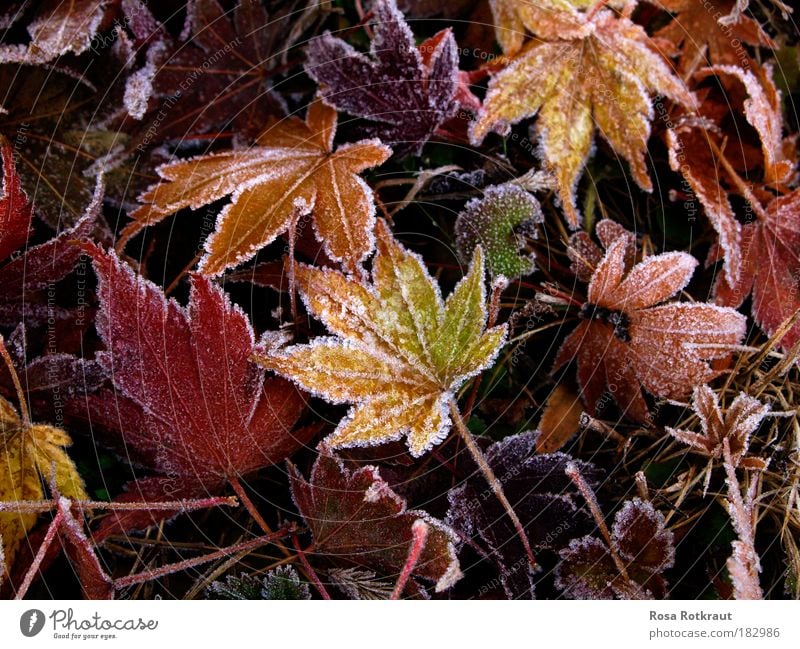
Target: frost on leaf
<point>696,144</point>
<point>245,46</point>
<point>770,270</point>
<point>703,40</point>
<point>643,546</point>
<point>28,454</point>
<point>187,402</point>
<point>628,340</point>
<point>576,84</point>
<point>399,351</point>
<point>356,520</point>
<point>546,19</point>
<point>499,221</point>
<point>25,277</point>
<point>57,28</point>
<point>736,425</point>
<point>282,582</point>
<point>541,495</point>
<point>407,91</point>
<point>294,170</point>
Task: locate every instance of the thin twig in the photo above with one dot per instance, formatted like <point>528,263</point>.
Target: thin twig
<point>310,572</point>
<point>492,480</point>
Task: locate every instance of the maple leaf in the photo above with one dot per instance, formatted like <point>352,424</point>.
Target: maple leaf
<point>600,81</point>
<point>770,269</point>
<point>703,39</point>
<point>294,170</point>
<point>223,67</point>
<point>357,520</point>
<point>408,90</point>
<point>399,351</point>
<point>25,276</point>
<point>57,28</point>
<point>696,151</point>
<point>640,544</point>
<point>499,221</point>
<point>629,340</point>
<point>30,454</point>
<point>736,426</point>
<point>540,493</point>
<point>188,402</point>
<point>42,111</point>
<point>547,19</point>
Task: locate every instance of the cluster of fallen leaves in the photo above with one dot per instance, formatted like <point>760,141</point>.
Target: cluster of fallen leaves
<point>548,268</point>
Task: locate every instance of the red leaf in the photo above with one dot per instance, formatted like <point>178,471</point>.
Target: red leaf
<point>15,210</point>
<point>770,268</point>
<point>628,340</point>
<point>188,401</point>
<point>356,519</point>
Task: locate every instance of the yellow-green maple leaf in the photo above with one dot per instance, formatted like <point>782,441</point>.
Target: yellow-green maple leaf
<point>27,456</point>
<point>603,80</point>
<point>399,351</point>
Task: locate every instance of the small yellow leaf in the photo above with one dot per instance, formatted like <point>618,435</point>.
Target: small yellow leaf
<point>27,457</point>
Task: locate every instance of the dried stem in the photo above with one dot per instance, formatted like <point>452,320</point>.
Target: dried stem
<point>163,571</point>
<point>310,572</point>
<point>574,474</point>
<point>419,531</point>
<point>40,555</point>
<point>492,480</point>
<point>23,404</point>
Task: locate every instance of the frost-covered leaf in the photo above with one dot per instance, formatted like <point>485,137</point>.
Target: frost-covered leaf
<point>770,270</point>
<point>735,425</point>
<point>28,454</point>
<point>547,19</point>
<point>24,277</point>
<point>357,520</point>
<point>187,401</point>
<point>58,27</point>
<point>642,543</point>
<point>294,170</point>
<point>541,495</point>
<point>42,111</point>
<point>628,340</point>
<point>222,65</point>
<point>694,144</point>
<point>282,582</point>
<point>499,221</point>
<point>408,91</point>
<point>399,351</point>
<point>703,39</point>
<point>603,80</point>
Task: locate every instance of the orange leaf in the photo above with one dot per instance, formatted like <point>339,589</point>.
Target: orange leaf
<point>294,170</point>
<point>560,419</point>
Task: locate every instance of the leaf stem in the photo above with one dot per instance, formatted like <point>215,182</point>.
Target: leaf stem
<point>492,480</point>
<point>40,555</point>
<point>23,404</point>
<point>419,531</point>
<point>310,572</point>
<point>574,474</point>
